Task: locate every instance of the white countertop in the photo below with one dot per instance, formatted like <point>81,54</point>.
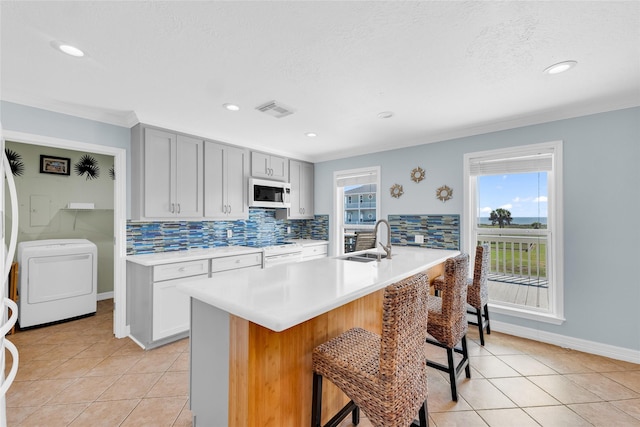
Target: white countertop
<point>190,255</point>
<point>286,295</point>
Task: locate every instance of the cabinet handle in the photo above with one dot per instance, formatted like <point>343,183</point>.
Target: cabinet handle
<point>178,207</point>
<point>181,269</point>
<point>173,208</point>
<point>229,211</point>
<point>224,209</point>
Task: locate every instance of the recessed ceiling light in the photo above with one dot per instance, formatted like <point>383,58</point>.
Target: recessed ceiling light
<point>311,134</point>
<point>560,67</point>
<point>385,115</point>
<point>68,49</point>
<point>231,107</point>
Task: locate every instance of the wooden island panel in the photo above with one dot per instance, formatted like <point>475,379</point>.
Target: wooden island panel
<point>270,373</point>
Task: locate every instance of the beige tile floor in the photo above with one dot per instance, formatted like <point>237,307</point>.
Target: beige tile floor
<point>77,374</point>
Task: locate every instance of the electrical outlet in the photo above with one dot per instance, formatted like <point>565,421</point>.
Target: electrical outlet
<point>419,238</point>
<point>229,234</point>
<point>288,230</point>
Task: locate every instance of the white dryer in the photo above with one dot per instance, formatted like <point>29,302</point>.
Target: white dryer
<point>57,280</point>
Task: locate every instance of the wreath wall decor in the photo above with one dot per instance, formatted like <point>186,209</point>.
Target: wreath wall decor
<point>396,190</point>
<point>444,193</point>
<point>87,165</point>
<point>15,162</point>
<point>417,174</point>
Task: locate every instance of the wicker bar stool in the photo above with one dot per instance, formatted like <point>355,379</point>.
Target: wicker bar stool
<point>447,319</point>
<point>384,375</point>
<point>477,290</point>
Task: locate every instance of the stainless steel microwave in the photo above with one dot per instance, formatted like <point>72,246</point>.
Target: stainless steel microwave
<point>269,194</point>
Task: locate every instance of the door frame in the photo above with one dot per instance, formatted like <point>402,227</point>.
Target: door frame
<point>120,328</point>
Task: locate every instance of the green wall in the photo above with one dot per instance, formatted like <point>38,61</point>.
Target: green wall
<point>43,198</point>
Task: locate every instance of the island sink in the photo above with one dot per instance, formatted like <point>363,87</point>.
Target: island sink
<point>365,257</point>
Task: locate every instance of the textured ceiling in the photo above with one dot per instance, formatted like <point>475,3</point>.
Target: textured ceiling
<point>446,69</point>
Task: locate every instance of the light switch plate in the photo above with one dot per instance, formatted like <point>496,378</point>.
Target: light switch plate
<point>419,238</point>
<point>229,234</point>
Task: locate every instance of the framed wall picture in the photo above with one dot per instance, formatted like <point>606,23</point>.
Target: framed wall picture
<point>54,165</point>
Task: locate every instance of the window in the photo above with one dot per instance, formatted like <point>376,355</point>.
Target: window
<point>513,202</point>
<point>355,205</point>
<point>360,204</point>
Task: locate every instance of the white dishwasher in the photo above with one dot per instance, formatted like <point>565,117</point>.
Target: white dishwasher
<point>58,280</point>
<point>283,253</point>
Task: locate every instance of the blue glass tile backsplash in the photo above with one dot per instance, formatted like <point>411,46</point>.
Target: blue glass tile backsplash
<point>261,229</point>
<point>439,231</point>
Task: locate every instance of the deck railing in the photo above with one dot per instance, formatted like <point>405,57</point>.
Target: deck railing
<point>520,254</point>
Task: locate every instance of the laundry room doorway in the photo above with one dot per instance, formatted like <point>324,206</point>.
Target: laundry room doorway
<point>81,196</point>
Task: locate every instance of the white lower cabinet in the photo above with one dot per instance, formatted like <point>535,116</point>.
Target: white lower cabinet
<point>157,312</point>
<point>170,309</point>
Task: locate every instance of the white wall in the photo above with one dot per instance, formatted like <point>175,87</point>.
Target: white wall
<point>601,199</point>
<point>21,118</point>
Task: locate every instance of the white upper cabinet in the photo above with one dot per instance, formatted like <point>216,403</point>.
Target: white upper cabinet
<point>268,166</point>
<point>168,182</point>
<point>225,181</point>
<point>301,180</point>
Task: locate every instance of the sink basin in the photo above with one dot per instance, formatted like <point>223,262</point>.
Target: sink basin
<point>372,255</point>
<point>365,257</point>
<point>358,259</point>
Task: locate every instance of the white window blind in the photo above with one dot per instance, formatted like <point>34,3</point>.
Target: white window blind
<point>370,177</point>
<point>524,164</point>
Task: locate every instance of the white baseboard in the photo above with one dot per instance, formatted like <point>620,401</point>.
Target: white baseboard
<point>105,295</point>
<point>618,353</point>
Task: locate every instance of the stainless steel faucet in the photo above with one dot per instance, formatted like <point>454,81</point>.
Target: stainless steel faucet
<point>387,247</point>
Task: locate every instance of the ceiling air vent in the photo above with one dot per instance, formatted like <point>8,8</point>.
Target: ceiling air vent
<point>275,109</point>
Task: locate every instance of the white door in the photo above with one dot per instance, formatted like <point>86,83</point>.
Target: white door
<point>7,323</point>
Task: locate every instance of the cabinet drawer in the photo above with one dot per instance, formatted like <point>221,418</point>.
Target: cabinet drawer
<point>314,251</point>
<point>235,262</point>
<point>180,269</point>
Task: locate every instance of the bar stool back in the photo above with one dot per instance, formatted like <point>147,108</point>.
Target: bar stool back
<point>447,319</point>
<point>385,375</point>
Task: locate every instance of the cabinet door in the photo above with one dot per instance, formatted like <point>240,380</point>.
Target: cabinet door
<point>295,211</point>
<point>301,179</point>
<point>269,167</point>
<point>279,168</point>
<point>306,189</point>
<point>260,164</point>
<point>189,177</point>
<point>215,205</point>
<point>159,183</point>
<point>170,309</point>
<point>236,163</point>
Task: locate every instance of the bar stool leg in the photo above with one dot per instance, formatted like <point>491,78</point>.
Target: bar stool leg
<point>465,356</point>
<point>486,316</point>
<point>480,325</point>
<point>316,405</point>
<point>452,375</point>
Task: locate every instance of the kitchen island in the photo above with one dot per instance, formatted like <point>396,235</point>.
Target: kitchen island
<point>252,332</point>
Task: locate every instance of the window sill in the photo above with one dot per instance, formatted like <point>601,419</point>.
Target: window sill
<point>527,314</point>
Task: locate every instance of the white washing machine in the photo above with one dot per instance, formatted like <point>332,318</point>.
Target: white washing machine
<point>57,280</point>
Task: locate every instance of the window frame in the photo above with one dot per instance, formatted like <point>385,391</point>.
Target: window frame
<point>337,246</point>
<point>555,313</point>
